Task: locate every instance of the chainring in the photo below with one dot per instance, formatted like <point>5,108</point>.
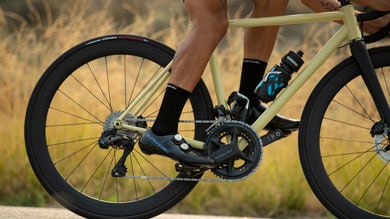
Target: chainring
<point>223,143</point>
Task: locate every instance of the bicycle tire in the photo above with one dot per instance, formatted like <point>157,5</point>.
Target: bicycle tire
<point>347,171</point>
<point>66,115</point>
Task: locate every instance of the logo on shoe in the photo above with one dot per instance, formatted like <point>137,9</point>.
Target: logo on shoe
<point>156,142</point>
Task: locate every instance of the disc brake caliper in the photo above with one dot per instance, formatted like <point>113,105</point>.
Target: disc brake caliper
<point>380,132</point>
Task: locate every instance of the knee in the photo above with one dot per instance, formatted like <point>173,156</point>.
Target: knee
<point>219,27</point>
<point>213,27</point>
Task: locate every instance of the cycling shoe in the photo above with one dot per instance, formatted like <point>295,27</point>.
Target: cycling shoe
<point>174,147</point>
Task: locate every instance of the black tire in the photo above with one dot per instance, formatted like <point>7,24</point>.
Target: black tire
<point>66,115</point>
<point>348,173</point>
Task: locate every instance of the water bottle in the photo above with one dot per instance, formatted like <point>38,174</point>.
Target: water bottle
<point>278,77</point>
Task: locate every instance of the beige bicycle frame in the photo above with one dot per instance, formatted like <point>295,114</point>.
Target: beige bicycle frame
<point>348,31</point>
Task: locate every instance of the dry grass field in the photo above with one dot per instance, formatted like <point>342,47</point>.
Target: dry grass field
<point>30,42</point>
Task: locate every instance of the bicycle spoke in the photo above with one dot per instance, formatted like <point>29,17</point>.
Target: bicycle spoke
<point>382,72</point>
<point>79,105</point>
<point>359,103</point>
<point>80,162</point>
<point>108,85</point>
<point>345,139</point>
<point>144,173</point>
<point>133,173</point>
<point>348,162</point>
<point>365,115</point>
<point>75,116</point>
<point>98,84</point>
<point>72,154</point>
<point>360,171</point>
<point>95,171</point>
<point>383,191</point>
<point>90,92</point>
<point>347,123</point>
<point>73,141</point>
<point>135,82</point>
<point>107,175</point>
<point>151,103</point>
<point>372,182</point>
<point>125,82</point>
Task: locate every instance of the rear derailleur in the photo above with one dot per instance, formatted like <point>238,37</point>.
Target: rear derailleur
<point>120,139</point>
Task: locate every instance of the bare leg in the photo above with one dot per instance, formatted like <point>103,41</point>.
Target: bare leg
<point>259,42</point>
<point>209,25</point>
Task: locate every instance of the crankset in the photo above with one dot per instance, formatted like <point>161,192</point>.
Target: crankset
<point>236,148</point>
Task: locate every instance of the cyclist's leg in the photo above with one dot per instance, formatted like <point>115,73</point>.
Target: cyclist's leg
<point>258,45</point>
<point>209,25</point>
<point>259,42</point>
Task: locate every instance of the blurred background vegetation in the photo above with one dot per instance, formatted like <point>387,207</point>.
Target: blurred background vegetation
<point>34,32</point>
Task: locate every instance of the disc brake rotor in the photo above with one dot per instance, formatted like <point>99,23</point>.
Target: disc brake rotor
<point>382,146</point>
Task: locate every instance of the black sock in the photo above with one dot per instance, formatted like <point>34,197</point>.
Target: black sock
<point>251,75</point>
<point>170,110</point>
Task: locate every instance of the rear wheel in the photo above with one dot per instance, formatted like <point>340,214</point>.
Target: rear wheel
<point>75,99</point>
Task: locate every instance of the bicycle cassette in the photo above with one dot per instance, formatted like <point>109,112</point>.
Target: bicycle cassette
<point>236,148</point>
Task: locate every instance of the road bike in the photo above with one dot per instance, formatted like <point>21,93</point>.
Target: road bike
<point>92,105</point>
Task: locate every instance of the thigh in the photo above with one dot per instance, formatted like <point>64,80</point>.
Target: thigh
<point>264,8</point>
<point>206,10</point>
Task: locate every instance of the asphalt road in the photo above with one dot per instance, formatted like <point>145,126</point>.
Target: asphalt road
<point>61,213</point>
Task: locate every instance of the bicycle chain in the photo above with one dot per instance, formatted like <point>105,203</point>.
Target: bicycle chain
<point>184,179</point>
<point>180,121</point>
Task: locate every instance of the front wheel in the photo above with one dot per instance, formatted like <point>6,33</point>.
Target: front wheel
<point>347,168</point>
<point>78,97</point>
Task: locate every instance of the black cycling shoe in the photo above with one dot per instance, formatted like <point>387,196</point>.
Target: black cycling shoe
<point>174,147</point>
<point>278,122</point>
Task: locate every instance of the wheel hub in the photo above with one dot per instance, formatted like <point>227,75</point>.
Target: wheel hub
<point>128,120</point>
<point>382,146</point>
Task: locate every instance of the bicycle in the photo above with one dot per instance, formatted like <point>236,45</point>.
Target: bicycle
<point>90,107</point>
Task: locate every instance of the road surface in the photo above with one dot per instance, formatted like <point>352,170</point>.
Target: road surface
<point>61,213</point>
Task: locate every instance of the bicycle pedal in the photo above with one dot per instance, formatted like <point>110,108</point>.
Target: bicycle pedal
<point>273,136</point>
<point>184,168</point>
<point>239,106</point>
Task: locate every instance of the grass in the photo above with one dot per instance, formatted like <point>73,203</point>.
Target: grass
<point>277,189</point>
